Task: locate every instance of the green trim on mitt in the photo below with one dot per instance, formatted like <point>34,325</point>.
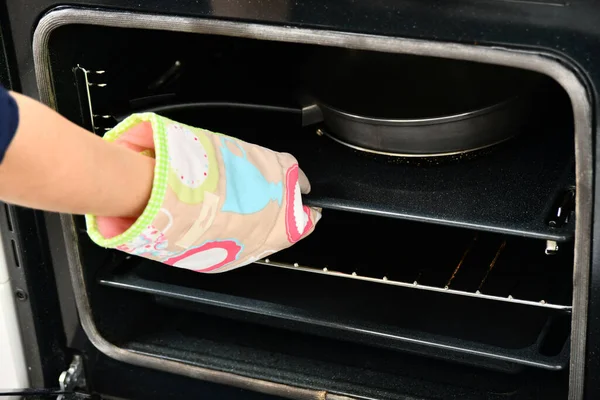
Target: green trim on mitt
<point>159,186</point>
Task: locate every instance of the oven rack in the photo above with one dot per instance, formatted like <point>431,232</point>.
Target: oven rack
<point>413,285</point>
<point>474,265</point>
<point>439,259</point>
<point>503,336</point>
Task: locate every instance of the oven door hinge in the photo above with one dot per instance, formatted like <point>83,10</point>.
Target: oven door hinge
<point>72,378</point>
<point>69,380</point>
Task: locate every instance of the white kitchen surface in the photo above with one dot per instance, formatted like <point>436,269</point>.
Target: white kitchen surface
<point>13,370</point>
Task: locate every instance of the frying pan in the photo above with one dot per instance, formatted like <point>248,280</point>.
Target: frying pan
<point>405,106</point>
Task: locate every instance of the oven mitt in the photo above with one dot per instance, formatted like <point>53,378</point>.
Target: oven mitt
<point>217,203</point>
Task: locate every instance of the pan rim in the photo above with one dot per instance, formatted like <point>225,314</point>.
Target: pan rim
<point>422,121</point>
<point>414,155</point>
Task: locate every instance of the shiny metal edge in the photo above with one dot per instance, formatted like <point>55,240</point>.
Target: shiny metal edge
<point>429,120</point>
<point>534,61</point>
<point>409,155</point>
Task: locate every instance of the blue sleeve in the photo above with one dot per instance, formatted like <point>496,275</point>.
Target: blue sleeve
<point>9,120</point>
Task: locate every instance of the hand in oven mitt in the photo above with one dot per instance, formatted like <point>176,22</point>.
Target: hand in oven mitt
<point>217,203</point>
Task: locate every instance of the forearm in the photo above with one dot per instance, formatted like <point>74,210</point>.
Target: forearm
<point>54,165</point>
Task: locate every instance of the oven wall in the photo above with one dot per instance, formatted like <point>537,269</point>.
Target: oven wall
<point>566,29</point>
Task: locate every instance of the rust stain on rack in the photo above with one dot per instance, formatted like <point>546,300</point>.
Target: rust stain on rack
<point>462,260</point>
<point>492,264</point>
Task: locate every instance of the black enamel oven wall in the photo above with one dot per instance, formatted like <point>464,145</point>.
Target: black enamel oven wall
<point>341,326</point>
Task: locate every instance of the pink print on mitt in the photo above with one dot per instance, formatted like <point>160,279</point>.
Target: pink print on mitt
<point>298,221</point>
<point>208,256</point>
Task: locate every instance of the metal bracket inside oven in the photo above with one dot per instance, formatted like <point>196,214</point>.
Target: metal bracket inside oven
<point>84,83</point>
<point>74,377</point>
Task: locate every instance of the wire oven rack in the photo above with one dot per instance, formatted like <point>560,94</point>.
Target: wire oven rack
<point>501,335</point>
<point>434,258</point>
<point>416,285</point>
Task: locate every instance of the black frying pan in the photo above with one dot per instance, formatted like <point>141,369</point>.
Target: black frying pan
<point>409,106</point>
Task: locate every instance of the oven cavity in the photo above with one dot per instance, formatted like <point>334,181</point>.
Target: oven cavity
<point>448,197</point>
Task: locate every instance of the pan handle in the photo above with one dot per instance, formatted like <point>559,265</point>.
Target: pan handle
<point>205,105</point>
<point>311,112</point>
<point>311,115</point>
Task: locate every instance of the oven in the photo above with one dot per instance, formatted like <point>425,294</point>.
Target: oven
<point>456,266</point>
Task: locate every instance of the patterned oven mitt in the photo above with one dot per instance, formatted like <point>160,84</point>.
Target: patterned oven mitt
<point>217,203</point>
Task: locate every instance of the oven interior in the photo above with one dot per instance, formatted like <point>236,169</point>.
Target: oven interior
<point>455,271</point>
